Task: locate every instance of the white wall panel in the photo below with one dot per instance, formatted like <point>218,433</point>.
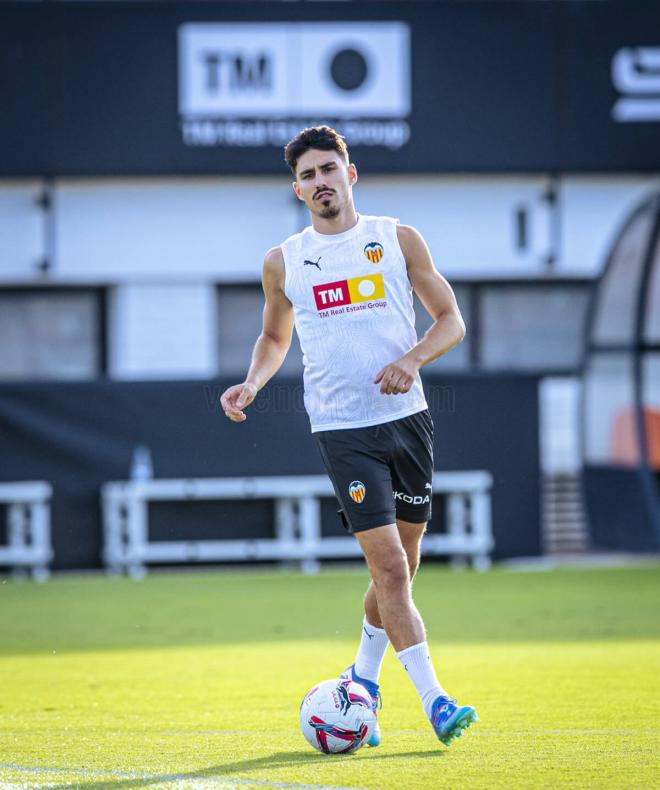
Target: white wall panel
<point>559,412</point>
<point>122,229</point>
<point>21,229</point>
<point>163,331</point>
<point>593,209</point>
<point>468,222</point>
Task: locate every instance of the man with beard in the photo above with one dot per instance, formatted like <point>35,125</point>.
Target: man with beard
<point>347,282</point>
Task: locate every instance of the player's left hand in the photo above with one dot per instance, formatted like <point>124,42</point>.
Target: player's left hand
<point>397,377</point>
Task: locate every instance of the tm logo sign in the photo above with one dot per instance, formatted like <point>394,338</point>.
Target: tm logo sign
<point>232,74</point>
<point>257,84</point>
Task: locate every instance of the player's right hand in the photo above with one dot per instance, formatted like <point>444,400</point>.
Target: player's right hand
<point>236,398</point>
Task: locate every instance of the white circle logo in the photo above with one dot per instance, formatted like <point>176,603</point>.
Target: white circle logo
<point>366,288</point>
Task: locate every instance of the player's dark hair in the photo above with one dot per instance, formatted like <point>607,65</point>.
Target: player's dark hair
<point>322,138</point>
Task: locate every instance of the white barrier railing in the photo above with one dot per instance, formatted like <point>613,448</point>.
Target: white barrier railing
<point>127,547</point>
<point>28,527</point>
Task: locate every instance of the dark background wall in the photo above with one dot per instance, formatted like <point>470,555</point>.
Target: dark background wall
<point>93,88</point>
<point>81,435</point>
<point>620,518</point>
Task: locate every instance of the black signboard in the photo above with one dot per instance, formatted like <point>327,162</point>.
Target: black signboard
<point>212,88</point>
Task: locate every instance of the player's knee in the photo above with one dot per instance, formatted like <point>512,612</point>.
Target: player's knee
<point>391,571</point>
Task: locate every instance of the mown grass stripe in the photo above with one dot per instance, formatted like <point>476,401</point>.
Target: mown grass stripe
<point>212,781</point>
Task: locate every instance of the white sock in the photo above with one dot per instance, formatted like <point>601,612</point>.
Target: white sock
<point>371,652</point>
<point>417,663</point>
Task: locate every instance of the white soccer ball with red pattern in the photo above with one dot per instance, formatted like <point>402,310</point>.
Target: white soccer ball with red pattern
<point>337,717</point>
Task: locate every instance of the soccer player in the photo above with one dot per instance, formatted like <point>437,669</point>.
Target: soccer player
<point>346,281</point>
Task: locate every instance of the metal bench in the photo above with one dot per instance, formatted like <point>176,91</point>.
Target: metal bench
<point>28,527</point>
<point>127,547</point>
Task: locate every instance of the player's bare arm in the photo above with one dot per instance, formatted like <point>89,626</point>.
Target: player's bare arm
<point>436,295</point>
<point>273,342</point>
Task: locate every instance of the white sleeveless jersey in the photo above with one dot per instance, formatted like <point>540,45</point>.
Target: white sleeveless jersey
<point>353,312</point>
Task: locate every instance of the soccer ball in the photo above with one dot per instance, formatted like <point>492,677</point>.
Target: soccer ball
<point>336,716</point>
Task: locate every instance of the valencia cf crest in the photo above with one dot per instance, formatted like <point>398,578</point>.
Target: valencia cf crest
<point>357,491</point>
<point>373,251</point>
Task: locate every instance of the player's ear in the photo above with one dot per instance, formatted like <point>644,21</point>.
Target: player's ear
<point>296,189</point>
<point>352,174</point>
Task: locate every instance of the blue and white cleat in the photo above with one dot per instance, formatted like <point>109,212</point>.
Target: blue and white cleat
<point>376,699</point>
<point>449,720</point>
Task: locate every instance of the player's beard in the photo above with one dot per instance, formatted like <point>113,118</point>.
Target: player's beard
<point>332,209</point>
<point>329,212</point>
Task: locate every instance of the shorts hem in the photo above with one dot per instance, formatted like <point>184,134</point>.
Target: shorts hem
<point>378,521</point>
<point>417,517</point>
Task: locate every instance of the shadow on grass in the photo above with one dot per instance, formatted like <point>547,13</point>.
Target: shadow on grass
<point>223,772</point>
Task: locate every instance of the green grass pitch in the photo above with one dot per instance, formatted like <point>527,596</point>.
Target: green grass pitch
<point>193,680</point>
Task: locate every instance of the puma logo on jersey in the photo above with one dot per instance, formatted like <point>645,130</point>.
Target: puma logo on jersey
<point>313,263</point>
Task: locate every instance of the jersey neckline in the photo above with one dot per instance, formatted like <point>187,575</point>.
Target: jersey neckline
<point>334,237</point>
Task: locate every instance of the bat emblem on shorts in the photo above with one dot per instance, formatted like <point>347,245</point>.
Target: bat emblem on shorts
<point>357,491</point>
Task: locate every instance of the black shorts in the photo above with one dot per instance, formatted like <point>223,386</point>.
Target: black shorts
<point>382,472</point>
